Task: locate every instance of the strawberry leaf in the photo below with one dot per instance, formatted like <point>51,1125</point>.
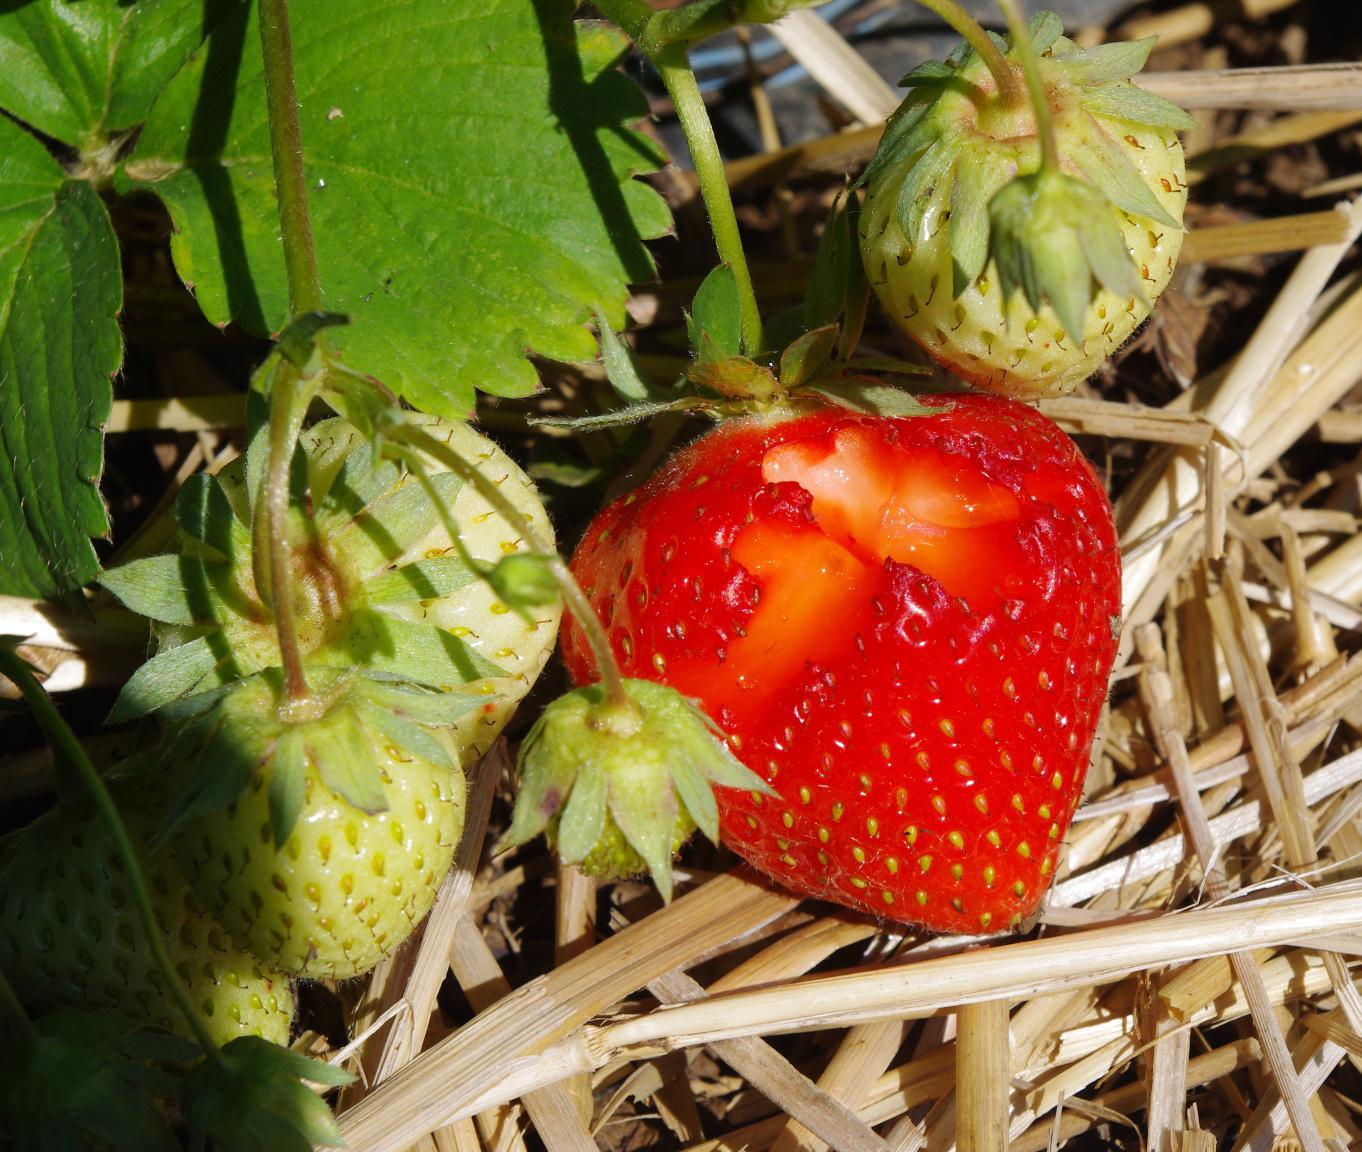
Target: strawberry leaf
<point>80,1081</point>
<point>288,785</point>
<point>514,166</point>
<point>255,1098</point>
<point>714,323</point>
<point>80,72</point>
<point>60,293</point>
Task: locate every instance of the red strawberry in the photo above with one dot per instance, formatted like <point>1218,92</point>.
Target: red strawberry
<point>904,624</point>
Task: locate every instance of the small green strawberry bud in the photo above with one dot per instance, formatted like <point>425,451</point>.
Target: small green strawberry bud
<point>1052,236</point>
<point>524,580</point>
<point>618,786</point>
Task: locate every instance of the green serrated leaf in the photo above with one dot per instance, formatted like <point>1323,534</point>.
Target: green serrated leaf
<point>714,322</point>
<point>1119,60</point>
<point>80,72</point>
<point>60,293</point>
<point>807,356</point>
<point>621,369</point>
<point>288,785</point>
<point>1129,102</point>
<point>153,587</point>
<point>166,677</point>
<point>514,167</point>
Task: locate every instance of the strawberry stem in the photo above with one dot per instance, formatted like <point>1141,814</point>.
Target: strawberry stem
<point>672,62</point>
<point>573,596</point>
<point>66,746</point>
<point>1040,103</point>
<point>288,397</point>
<point>673,65</point>
<point>972,32</point>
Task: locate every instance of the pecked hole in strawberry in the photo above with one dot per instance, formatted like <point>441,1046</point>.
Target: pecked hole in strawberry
<point>917,506</point>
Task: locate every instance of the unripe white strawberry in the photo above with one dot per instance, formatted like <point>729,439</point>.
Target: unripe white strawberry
<point>319,833</point>
<point>378,582</point>
<point>953,146</point>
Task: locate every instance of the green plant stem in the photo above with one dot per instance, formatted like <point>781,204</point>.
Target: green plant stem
<point>288,401</point>
<point>673,65</point>
<point>1040,103</point>
<point>972,32</point>
<point>65,744</point>
<point>288,405</point>
<point>286,145</point>
<point>573,596</point>
<point>13,1012</point>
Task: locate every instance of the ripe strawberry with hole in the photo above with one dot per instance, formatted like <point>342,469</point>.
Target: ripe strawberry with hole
<point>905,625</point>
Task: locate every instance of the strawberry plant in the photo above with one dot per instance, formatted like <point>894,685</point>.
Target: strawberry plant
<point>860,637</point>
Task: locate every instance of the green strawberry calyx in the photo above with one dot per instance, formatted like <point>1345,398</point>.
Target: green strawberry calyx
<point>361,585</point>
<point>338,736</point>
<point>959,132</point>
<point>618,784</point>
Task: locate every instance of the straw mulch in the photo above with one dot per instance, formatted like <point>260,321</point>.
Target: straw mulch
<point>1189,986</point>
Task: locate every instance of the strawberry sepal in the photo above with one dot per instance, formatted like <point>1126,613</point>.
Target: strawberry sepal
<point>619,786</point>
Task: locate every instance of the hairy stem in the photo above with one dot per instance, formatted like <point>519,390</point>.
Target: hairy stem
<point>673,64</point>
<point>286,145</point>
<point>288,399</point>
<point>65,745</point>
<point>972,32</point>
<point>573,596</point>
<point>12,1012</point>
<point>1040,103</point>
<point>288,405</point>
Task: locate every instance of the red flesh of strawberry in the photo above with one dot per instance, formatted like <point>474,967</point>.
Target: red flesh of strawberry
<point>904,624</point>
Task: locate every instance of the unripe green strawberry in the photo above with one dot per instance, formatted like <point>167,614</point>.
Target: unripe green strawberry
<point>318,833</point>
<point>956,143</point>
<point>70,936</point>
<point>378,582</point>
